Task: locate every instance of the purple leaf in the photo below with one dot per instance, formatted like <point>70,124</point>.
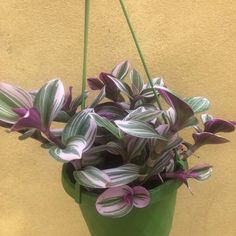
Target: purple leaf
<point>141,197</point>
<point>182,115</point>
<point>29,118</point>
<point>208,138</point>
<point>95,84</point>
<point>218,125</point>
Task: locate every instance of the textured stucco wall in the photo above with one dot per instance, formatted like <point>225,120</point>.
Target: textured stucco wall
<point>191,43</point>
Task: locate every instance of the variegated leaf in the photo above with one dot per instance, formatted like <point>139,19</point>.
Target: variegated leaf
<point>156,82</point>
<point>138,129</point>
<point>148,92</point>
<point>115,202</point>
<point>135,146</point>
<point>198,104</point>
<point>206,117</point>
<point>92,177</point>
<point>12,97</point>
<point>121,86</point>
<point>81,124</point>
<point>121,70</point>
<point>105,123</point>
<point>99,97</point>
<point>143,114</point>
<point>73,150</point>
<point>49,101</point>
<point>122,175</point>
<point>136,82</point>
<point>200,172</point>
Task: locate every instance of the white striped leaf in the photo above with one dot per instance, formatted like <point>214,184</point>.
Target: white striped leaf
<point>12,97</point>
<point>123,175</point>
<point>143,114</point>
<point>73,150</point>
<point>121,86</point>
<point>135,146</point>
<point>92,177</point>
<point>121,70</point>
<point>49,101</point>
<point>201,172</point>
<point>198,104</point>
<point>112,147</point>
<point>105,123</point>
<point>156,82</point>
<point>136,81</point>
<point>113,203</point>
<point>148,92</point>
<point>138,129</point>
<point>81,124</point>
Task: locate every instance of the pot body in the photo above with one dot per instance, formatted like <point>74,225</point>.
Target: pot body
<point>154,220</point>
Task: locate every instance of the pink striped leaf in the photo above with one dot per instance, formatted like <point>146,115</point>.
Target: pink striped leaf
<point>115,202</point>
<point>141,197</point>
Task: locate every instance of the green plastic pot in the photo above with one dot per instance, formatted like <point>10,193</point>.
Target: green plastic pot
<point>154,220</point>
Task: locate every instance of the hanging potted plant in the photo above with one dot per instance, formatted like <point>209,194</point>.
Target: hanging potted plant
<point>123,157</point>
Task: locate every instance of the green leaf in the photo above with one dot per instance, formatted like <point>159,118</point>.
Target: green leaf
<point>198,104</point>
<point>105,123</point>
<point>92,177</point>
<point>138,129</point>
<point>49,101</point>
<point>121,70</point>
<point>137,82</point>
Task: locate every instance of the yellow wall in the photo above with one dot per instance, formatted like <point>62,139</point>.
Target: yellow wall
<point>192,44</point>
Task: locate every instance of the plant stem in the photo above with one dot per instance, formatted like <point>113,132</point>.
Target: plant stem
<point>86,23</point>
<point>140,54</point>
